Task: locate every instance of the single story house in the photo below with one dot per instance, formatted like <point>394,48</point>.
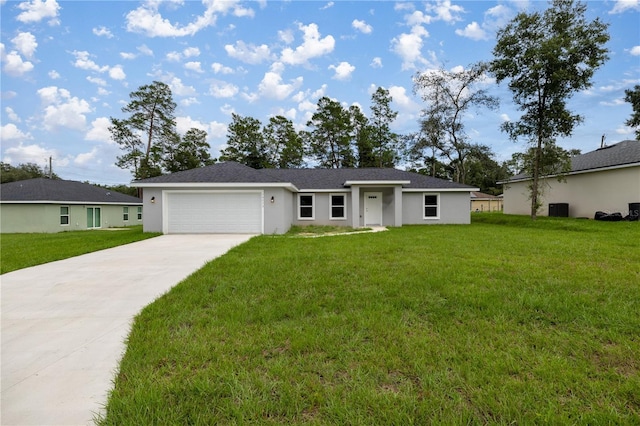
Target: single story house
<point>607,179</point>
<point>232,198</point>
<point>54,205</point>
<point>481,202</point>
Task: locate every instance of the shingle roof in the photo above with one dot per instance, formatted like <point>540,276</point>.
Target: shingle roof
<point>47,190</point>
<point>619,154</point>
<point>303,179</point>
<point>483,195</point>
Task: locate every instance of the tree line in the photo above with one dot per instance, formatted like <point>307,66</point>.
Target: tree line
<point>545,58</point>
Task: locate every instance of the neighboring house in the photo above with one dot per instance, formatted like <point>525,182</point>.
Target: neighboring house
<point>607,179</point>
<point>52,205</point>
<point>481,202</point>
<point>232,198</point>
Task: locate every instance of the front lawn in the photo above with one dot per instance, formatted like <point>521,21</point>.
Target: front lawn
<point>24,250</point>
<point>510,323</point>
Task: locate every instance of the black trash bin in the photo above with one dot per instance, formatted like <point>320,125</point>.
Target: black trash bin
<point>634,209</point>
<point>559,209</point>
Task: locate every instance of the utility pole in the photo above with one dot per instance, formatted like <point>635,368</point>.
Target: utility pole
<point>50,169</point>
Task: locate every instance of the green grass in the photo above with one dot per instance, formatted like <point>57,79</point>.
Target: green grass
<point>504,321</point>
<point>316,230</point>
<point>19,251</point>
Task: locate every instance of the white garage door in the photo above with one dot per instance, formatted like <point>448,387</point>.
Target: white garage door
<point>214,213</point>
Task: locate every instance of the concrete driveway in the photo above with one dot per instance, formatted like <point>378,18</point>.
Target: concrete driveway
<point>64,323</point>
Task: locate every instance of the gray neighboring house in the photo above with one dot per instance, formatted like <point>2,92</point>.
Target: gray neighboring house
<point>607,179</point>
<point>53,205</point>
<point>232,198</point>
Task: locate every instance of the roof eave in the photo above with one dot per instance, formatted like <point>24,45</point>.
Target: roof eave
<point>286,185</point>
<point>576,172</point>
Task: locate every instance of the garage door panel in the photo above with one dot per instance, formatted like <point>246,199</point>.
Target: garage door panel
<point>232,212</point>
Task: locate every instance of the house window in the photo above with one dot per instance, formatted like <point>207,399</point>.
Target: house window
<point>139,213</point>
<point>125,214</point>
<point>338,206</point>
<point>431,206</point>
<point>306,210</point>
<point>64,215</point>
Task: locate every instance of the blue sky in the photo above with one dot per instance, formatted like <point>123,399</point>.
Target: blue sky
<point>67,66</point>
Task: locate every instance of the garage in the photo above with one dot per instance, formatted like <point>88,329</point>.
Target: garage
<point>209,212</point>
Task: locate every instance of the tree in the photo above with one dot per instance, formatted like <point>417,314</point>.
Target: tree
<point>245,143</point>
<point>547,58</point>
<point>361,134</point>
<point>150,126</point>
<point>449,96</point>
<point>383,141</point>
<point>330,139</point>
<point>483,171</point>
<point>284,146</point>
<point>9,173</point>
<point>633,97</point>
<point>188,152</point>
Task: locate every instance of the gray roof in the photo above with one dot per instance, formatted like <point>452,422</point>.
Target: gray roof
<point>616,155</point>
<point>303,179</point>
<point>63,191</point>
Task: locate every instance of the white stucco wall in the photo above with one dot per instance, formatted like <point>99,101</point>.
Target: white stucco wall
<point>586,193</point>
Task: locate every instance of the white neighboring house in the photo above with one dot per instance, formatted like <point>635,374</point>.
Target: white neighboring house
<point>607,180</point>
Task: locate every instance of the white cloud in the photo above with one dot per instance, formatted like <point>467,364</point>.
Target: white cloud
<point>218,68</point>
<point>117,73</point>
<point>23,154</point>
<point>96,80</point>
<point>183,124</point>
<point>409,47</point>
<point>473,31</point>
<point>400,98</point>
<point>178,88</point>
<point>26,44</point>
<point>85,158</point>
<point>54,75</point>
<point>127,55</point>
<point>327,6</point>
<point>11,132</point>
<point>186,102</point>
<point>248,53</point>
<point>635,51</point>
<point>84,62</point>
<point>376,62</point>
<point>14,65</point>
<point>223,90</point>
<point>286,36</point>
<point>445,11</point>
<point>63,110</point>
<point>145,50</point>
<point>217,130</point>
<point>313,46</point>
<point>191,52</point>
<point>343,70</point>
<point>12,115</point>
<point>272,87</point>
<point>622,6</point>
<point>362,26</point>
<point>613,102</point>
<point>194,66</point>
<point>147,19</point>
<point>102,32</point>
<point>505,117</point>
<point>418,17</point>
<point>37,10</point>
<point>174,56</point>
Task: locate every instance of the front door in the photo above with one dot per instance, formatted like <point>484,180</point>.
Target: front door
<point>93,217</point>
<point>372,208</point>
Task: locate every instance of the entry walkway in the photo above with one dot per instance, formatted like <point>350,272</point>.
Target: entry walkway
<point>64,324</point>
